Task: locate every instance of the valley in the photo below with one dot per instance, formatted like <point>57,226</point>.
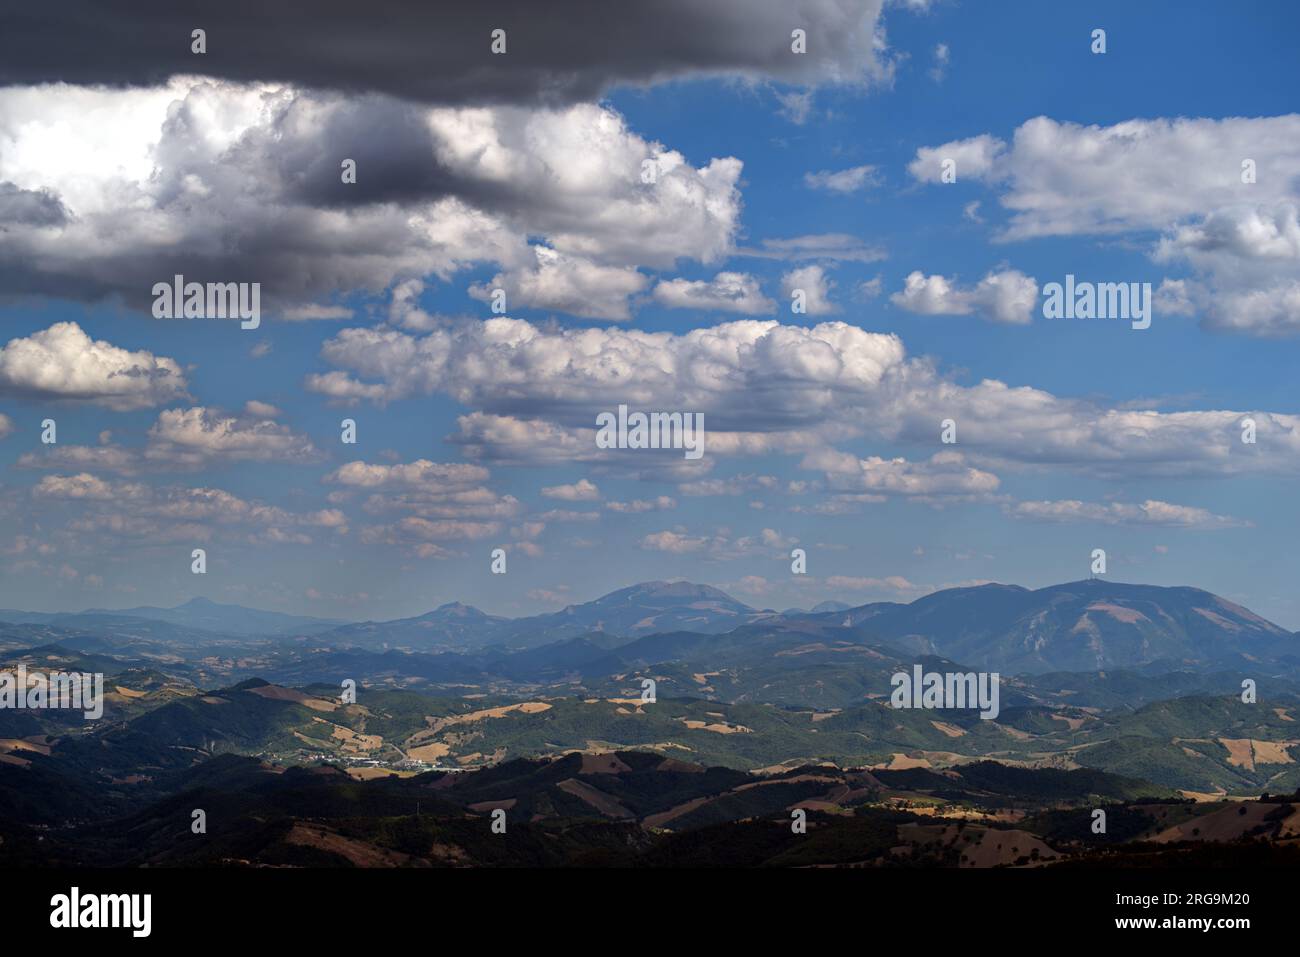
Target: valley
<point>764,711</point>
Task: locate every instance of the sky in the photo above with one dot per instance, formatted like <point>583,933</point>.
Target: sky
<point>649,185</point>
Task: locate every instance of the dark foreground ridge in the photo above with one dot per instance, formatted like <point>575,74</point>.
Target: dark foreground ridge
<point>641,809</point>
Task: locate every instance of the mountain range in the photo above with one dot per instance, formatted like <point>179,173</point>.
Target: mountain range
<point>638,610</point>
<point>197,614</point>
<point>1087,625</point>
<point>1121,694</point>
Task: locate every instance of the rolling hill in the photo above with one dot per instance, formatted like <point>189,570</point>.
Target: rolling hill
<point>639,809</point>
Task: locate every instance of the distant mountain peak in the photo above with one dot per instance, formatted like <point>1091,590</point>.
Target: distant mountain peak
<point>632,611</point>
<point>1089,624</point>
<point>673,589</point>
<point>826,606</point>
<point>457,609</point>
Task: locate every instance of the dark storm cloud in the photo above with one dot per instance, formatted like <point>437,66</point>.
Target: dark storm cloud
<point>30,207</point>
<point>390,140</point>
<point>559,51</point>
<point>221,181</point>
<point>224,180</point>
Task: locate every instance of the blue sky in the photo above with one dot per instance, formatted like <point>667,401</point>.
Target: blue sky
<point>1056,460</point>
